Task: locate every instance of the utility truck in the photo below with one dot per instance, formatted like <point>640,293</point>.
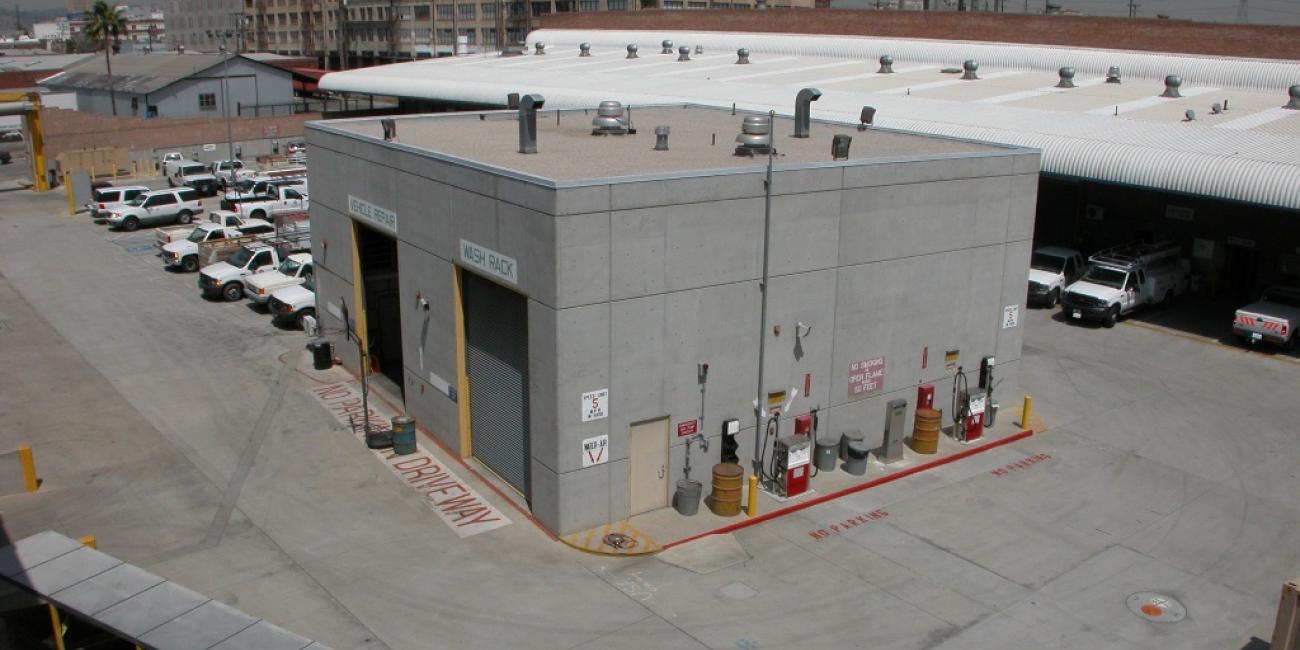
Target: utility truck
<point>1051,269</point>
<point>1272,318</point>
<point>224,279</point>
<point>278,201</point>
<point>295,269</point>
<point>185,253</point>
<point>294,304</point>
<point>1119,280</point>
<point>164,236</point>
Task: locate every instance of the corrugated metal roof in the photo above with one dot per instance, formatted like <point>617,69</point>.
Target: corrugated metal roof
<point>39,62</point>
<point>1249,153</point>
<point>133,73</point>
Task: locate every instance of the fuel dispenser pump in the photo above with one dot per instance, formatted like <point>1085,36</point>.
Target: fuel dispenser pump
<point>787,473</point>
<point>973,409</point>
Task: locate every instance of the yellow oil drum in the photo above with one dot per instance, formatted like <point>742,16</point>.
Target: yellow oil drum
<point>728,480</point>
<point>925,432</point>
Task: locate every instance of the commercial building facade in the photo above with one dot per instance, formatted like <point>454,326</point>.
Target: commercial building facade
<point>547,314</point>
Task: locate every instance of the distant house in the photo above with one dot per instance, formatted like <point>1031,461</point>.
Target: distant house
<point>173,85</point>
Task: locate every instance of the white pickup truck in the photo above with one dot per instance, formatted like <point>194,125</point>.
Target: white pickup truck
<point>1051,269</point>
<point>295,269</point>
<point>294,304</point>
<point>170,161</point>
<point>176,177</point>
<point>224,279</point>
<point>278,200</point>
<point>1273,318</point>
<point>184,253</point>
<point>164,236</point>
<point>1121,279</point>
<point>228,172</point>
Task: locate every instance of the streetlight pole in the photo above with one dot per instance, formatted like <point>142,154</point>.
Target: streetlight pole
<point>225,103</point>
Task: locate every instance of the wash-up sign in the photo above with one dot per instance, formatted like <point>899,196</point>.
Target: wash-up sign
<point>373,214</point>
<point>595,451</point>
<point>489,261</point>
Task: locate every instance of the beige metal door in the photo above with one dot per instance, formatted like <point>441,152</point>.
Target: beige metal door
<point>648,459</point>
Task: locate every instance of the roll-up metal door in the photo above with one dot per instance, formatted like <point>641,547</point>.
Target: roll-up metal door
<point>496,360</point>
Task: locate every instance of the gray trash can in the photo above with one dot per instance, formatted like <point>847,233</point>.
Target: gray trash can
<point>828,450</point>
<point>845,439</point>
<point>856,462</point>
<point>687,498</point>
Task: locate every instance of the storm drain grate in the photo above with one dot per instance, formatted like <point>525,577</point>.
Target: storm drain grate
<point>1156,607</point>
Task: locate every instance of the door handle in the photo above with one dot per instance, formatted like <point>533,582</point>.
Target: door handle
<point>661,471</point>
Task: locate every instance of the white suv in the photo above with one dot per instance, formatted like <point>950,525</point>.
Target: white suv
<point>157,208</point>
<point>108,199</point>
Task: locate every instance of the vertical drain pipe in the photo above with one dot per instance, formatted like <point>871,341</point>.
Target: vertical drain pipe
<point>762,318</point>
<point>528,105</point>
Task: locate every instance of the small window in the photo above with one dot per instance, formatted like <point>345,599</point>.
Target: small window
<point>422,12</point>
<point>306,271</point>
<point>290,194</point>
<point>188,195</point>
<point>444,12</point>
<point>261,259</point>
<point>207,101</point>
<point>1142,277</point>
<point>466,11</point>
<point>616,5</point>
<point>217,234</point>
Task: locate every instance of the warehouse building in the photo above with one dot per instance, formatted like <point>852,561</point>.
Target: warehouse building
<point>547,313</point>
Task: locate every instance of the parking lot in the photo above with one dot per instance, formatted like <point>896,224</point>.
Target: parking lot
<point>183,434</point>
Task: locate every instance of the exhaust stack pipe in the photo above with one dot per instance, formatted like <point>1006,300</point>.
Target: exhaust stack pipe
<point>803,109</point>
<point>528,105</point>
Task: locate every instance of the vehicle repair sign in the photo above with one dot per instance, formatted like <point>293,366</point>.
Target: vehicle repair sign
<point>373,214</point>
<point>866,377</point>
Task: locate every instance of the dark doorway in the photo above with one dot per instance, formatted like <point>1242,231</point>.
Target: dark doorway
<point>1242,272</point>
<point>382,299</point>
<point>496,360</point>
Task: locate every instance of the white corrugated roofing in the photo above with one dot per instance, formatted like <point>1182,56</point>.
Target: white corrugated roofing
<point>1122,133</point>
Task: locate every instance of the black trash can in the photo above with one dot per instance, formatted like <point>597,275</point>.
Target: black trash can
<point>322,354</point>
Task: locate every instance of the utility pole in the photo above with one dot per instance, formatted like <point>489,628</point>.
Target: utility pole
<point>1133,8</point>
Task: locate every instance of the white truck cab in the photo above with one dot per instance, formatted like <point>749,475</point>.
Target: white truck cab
<point>224,279</point>
<point>1051,269</point>
<point>184,253</point>
<point>294,304</point>
<point>1273,318</point>
<point>1119,280</point>
<point>295,269</point>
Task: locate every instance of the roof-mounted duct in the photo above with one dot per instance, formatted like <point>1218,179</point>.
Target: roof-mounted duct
<point>1172,82</point>
<point>742,56</point>
<point>1189,115</point>
<point>584,49</point>
<point>390,129</point>
<point>683,53</point>
<point>840,146</point>
<point>1067,77</point>
<point>886,65</point>
<point>867,118</point>
<point>803,110</point>
<point>969,68</point>
<point>699,49</point>
<point>755,136</point>
<point>661,138</point>
<point>1294,104</point>
<point>609,119</point>
<point>668,47</point>
<point>1112,75</point>
<point>631,50</point>
<point>512,101</point>
<point>539,48</point>
<point>528,105</point>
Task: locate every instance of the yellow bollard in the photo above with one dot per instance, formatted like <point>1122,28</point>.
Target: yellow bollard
<point>29,467</point>
<point>72,204</point>
<point>1027,411</point>
<point>89,540</point>
<point>751,508</point>
<point>58,628</point>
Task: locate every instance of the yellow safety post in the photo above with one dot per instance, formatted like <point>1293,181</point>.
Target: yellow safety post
<point>751,508</point>
<point>89,540</point>
<point>29,467</point>
<point>72,204</point>
<point>58,628</point>
<point>1026,412</point>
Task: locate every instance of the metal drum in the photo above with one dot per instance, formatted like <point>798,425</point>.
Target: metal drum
<point>727,482</point>
<point>925,432</point>
<point>403,435</point>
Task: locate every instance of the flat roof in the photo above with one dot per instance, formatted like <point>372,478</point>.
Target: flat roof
<point>1125,133</point>
<point>700,139</point>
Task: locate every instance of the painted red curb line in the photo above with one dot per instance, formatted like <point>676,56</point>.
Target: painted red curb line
<point>855,488</point>
<point>456,457</point>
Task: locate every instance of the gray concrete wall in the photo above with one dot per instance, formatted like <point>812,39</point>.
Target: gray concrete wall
<point>631,284</point>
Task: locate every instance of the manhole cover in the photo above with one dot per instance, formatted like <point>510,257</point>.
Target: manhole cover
<point>1156,607</point>
<point>619,541</point>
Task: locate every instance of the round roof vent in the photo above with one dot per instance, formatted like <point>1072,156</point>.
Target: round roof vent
<point>1294,92</point>
<point>969,68</point>
<point>1067,77</point>
<point>1172,82</point>
<point>584,49</point>
<point>742,56</point>
<point>668,47</point>
<point>631,50</point>
<point>886,65</point>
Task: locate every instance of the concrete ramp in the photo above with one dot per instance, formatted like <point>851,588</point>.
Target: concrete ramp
<point>706,554</point>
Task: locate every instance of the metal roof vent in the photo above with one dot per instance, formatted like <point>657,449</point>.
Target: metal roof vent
<point>867,117</point>
<point>840,146</point>
<point>886,65</point>
<point>584,49</point>
<point>969,66</point>
<point>755,136</point>
<point>1216,108</point>
<point>631,50</point>
<point>1293,91</point>
<point>528,105</point>
<point>683,53</point>
<point>1112,75</point>
<point>1172,82</point>
<point>1189,115</point>
<point>661,138</point>
<point>539,48</point>
<point>803,109</point>
<point>390,129</point>
<point>1067,77</point>
<point>668,47</point>
<point>609,119</point>
<point>512,101</point>
<point>699,49</point>
<point>742,56</point>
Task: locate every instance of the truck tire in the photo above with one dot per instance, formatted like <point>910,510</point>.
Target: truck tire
<point>1112,316</point>
<point>131,224</point>
<point>298,320</point>
<point>184,217</point>
<point>232,291</point>
<point>1053,298</point>
<point>258,214</point>
<point>190,263</point>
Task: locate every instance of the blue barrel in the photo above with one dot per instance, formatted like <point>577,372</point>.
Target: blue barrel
<point>403,435</point>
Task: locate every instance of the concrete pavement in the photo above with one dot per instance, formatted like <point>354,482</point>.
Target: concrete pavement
<point>178,432</point>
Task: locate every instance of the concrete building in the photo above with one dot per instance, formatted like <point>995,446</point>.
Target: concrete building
<point>174,85</point>
<point>195,25</point>
<point>545,313</point>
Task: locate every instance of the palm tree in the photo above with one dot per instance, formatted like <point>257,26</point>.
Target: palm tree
<point>104,25</point>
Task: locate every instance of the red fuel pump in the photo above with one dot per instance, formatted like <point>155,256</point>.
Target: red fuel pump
<point>792,457</point>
